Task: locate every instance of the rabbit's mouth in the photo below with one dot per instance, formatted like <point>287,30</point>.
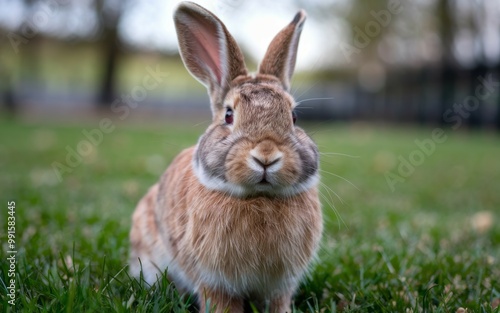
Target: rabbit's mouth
<point>264,182</point>
<point>263,188</point>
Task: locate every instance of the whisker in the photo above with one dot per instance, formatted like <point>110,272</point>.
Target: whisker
<point>323,161</point>
<point>336,194</point>
<point>313,99</point>
<point>332,205</point>
<point>305,91</point>
<point>316,82</point>
<point>344,179</point>
<point>341,154</point>
<point>201,123</point>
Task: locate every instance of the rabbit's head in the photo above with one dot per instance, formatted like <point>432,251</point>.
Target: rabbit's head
<point>252,146</point>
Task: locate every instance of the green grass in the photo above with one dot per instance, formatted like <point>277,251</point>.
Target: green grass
<point>421,248</point>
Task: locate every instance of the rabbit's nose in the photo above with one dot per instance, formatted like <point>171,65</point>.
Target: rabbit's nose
<point>266,156</point>
<point>266,162</point>
<point>271,162</point>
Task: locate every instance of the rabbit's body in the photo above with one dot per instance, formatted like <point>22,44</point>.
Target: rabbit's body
<point>252,246</point>
<point>237,217</point>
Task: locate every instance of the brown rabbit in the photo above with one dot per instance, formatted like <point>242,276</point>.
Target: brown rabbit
<point>237,217</point>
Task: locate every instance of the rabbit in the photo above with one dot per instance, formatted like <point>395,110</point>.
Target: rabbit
<point>236,219</point>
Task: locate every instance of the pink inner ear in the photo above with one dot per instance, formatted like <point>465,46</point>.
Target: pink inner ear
<point>206,47</point>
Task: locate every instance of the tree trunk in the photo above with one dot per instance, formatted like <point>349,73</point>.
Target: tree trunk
<point>7,92</point>
<point>111,51</point>
<point>448,71</point>
<point>498,99</point>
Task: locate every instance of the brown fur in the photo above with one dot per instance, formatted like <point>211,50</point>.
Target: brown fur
<point>278,61</point>
<point>237,217</point>
<point>272,237</point>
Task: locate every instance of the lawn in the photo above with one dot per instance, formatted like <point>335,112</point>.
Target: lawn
<point>431,243</point>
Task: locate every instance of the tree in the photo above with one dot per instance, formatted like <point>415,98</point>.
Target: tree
<point>109,12</point>
<point>448,62</point>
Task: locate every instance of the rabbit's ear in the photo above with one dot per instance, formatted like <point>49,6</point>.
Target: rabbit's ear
<point>209,52</point>
<point>282,52</point>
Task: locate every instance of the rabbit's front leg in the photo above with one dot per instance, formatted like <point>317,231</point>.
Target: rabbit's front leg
<point>281,304</point>
<point>218,301</point>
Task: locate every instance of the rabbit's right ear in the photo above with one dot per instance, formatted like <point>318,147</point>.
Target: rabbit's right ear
<point>280,57</point>
<point>208,51</point>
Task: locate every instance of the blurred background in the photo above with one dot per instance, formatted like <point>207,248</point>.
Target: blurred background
<point>422,61</point>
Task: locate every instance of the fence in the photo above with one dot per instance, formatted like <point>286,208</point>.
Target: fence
<point>428,95</point>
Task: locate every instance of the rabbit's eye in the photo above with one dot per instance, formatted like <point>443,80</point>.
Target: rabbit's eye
<point>229,116</point>
<point>294,117</point>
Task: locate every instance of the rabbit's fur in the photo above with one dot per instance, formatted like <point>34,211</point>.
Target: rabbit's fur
<point>237,217</point>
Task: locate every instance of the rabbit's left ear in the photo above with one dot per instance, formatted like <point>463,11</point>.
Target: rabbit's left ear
<point>280,57</point>
<point>208,50</point>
